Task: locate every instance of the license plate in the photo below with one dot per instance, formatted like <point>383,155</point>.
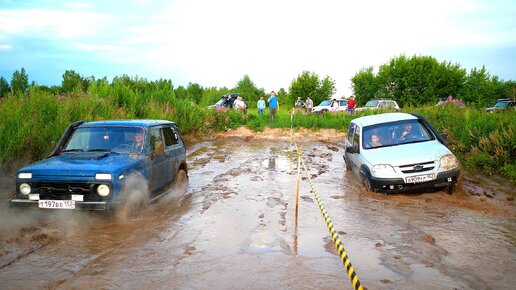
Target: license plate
<point>420,178</point>
<point>57,204</point>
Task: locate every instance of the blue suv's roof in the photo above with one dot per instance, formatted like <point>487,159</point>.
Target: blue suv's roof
<point>139,123</point>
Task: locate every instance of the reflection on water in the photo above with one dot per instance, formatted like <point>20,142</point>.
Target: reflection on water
<point>272,163</point>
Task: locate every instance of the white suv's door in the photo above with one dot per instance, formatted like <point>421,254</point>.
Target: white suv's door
<point>352,150</point>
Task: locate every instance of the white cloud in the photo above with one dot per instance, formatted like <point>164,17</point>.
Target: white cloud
<point>52,24</point>
<point>100,47</point>
<point>5,47</point>
<point>215,43</point>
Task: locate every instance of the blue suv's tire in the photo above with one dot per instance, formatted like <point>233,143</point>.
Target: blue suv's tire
<point>180,185</point>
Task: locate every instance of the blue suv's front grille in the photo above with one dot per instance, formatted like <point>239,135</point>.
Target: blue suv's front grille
<point>63,191</point>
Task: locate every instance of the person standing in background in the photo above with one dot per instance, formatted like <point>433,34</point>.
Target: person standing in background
<point>299,104</point>
<point>273,106</point>
<point>261,106</point>
<point>351,105</point>
<point>309,105</point>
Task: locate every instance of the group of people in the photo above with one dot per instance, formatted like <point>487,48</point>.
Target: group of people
<point>273,106</point>
<point>308,105</point>
<point>300,106</point>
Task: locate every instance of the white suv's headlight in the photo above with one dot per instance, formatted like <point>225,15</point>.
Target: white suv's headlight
<point>383,171</point>
<point>448,162</point>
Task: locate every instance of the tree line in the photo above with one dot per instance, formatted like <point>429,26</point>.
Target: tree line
<point>422,80</point>
<point>410,81</point>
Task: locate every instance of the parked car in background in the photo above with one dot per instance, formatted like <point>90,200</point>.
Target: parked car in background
<point>396,152</point>
<point>106,165</point>
<point>502,104</point>
<point>326,106</point>
<point>225,103</point>
<point>380,104</point>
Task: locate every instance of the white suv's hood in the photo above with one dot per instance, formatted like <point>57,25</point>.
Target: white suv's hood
<point>405,154</point>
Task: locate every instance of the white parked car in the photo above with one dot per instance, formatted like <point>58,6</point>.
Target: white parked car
<point>380,104</point>
<point>395,152</point>
<point>326,106</point>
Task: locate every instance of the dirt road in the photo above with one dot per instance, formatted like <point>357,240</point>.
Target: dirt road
<point>236,229</point>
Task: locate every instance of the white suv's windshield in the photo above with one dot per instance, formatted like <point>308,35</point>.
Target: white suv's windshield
<point>501,104</point>
<point>371,104</point>
<point>394,133</point>
<point>112,139</point>
<point>325,103</point>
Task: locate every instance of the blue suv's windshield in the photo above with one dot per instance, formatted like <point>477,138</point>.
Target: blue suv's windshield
<point>394,133</point>
<point>112,139</point>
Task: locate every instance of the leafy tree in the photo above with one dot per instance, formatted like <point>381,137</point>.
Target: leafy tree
<point>20,82</point>
<point>73,81</point>
<point>410,81</point>
<point>482,89</point>
<point>159,85</point>
<point>248,90</point>
<point>308,84</point>
<point>180,92</point>
<point>509,89</point>
<point>194,92</point>
<point>211,95</point>
<point>4,87</point>
<point>282,94</point>
<point>364,85</point>
<point>136,83</point>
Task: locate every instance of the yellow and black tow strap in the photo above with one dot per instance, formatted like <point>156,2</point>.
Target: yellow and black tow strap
<point>353,276</point>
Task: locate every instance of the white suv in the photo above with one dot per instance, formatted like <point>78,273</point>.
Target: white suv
<point>325,106</point>
<point>395,152</point>
<point>382,104</point>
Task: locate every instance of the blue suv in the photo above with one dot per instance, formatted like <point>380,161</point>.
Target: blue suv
<point>104,164</point>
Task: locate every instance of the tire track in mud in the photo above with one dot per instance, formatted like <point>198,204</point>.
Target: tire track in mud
<point>27,241</point>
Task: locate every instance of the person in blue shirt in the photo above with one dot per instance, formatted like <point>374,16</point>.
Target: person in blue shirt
<point>273,106</point>
<point>261,106</point>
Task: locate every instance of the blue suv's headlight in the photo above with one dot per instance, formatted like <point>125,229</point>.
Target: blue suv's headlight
<point>103,176</point>
<point>25,175</point>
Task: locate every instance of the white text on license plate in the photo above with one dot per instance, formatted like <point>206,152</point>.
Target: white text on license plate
<point>420,178</point>
<point>58,204</point>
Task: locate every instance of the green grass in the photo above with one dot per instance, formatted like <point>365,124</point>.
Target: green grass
<point>28,124</point>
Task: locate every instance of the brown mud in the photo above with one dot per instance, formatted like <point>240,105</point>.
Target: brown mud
<point>236,228</point>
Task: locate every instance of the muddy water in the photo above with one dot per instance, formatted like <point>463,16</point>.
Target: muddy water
<point>236,229</point>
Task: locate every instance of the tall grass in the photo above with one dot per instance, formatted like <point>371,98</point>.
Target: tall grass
<point>482,141</point>
<point>28,124</point>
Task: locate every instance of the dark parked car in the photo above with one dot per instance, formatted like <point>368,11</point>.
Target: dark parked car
<point>502,104</point>
<point>225,103</point>
<point>104,165</point>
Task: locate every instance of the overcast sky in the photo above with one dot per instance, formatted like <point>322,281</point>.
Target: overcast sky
<point>217,42</point>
